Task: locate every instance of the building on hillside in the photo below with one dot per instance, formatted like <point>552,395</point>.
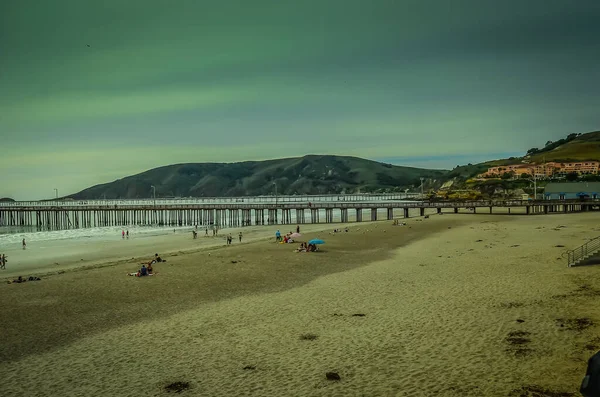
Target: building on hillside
<point>581,167</point>
<point>572,190</point>
<point>542,171</point>
<point>516,169</point>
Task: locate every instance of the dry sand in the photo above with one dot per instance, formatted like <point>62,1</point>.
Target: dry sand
<point>441,298</point>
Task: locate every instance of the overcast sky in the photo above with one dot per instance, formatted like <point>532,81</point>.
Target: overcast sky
<point>92,91</point>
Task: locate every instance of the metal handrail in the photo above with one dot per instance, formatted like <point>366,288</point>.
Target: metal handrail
<point>583,251</point>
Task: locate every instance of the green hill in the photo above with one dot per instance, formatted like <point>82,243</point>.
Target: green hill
<point>302,175</point>
<point>575,147</point>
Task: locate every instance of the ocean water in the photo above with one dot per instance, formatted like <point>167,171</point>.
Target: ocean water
<point>12,235</point>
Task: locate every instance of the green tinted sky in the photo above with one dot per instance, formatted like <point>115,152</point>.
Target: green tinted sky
<point>425,83</point>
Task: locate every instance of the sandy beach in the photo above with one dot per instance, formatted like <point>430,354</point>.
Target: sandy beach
<point>453,305</point>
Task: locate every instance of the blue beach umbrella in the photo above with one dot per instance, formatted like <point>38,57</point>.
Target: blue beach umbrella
<point>316,241</point>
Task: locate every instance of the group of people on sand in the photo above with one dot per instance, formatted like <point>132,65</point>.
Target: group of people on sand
<point>20,279</point>
<point>398,223</point>
<point>287,238</point>
<point>124,234</point>
<point>304,247</point>
<point>230,238</point>
<point>340,230</point>
<point>147,269</point>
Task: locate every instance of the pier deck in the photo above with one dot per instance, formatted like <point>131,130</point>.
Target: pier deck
<point>255,211</point>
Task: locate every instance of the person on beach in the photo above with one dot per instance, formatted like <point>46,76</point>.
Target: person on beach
<point>158,258</point>
<point>298,229</point>
<point>127,233</point>
<point>277,236</point>
<point>3,261</point>
<point>143,271</point>
<point>194,234</point>
<point>240,237</point>
<point>123,234</point>
<point>149,268</point>
<point>206,232</point>
<point>24,244</point>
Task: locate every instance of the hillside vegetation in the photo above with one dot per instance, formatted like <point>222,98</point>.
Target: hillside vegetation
<point>302,175</point>
<point>575,147</point>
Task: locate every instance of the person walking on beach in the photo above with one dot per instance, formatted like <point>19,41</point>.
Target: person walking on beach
<point>127,233</point>
<point>277,236</point>
<point>206,232</point>
<point>3,261</point>
<point>24,244</point>
<point>240,237</point>
<point>298,229</point>
<point>123,234</point>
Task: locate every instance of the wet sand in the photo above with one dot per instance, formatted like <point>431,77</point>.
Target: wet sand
<point>54,256</point>
<point>454,305</point>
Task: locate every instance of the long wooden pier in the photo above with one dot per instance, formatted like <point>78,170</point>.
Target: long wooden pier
<point>83,214</point>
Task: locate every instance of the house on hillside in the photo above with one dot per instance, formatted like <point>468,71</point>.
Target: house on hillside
<point>572,190</point>
<point>545,170</point>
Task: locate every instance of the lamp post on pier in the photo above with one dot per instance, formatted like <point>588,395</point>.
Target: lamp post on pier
<point>154,199</point>
<point>56,190</point>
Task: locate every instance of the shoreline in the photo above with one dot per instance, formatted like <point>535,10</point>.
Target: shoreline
<point>64,254</point>
<point>51,257</point>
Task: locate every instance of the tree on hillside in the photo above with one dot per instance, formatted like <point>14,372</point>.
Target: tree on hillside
<point>533,150</point>
<point>508,175</point>
<point>524,175</point>
<point>572,176</point>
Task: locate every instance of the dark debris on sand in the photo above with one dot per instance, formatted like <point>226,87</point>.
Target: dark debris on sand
<point>308,337</point>
<point>333,376</point>
<point>177,387</point>
<point>537,391</point>
<point>574,324</point>
<point>510,305</point>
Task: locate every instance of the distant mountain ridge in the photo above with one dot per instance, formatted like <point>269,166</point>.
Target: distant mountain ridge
<point>311,174</point>
<point>316,174</point>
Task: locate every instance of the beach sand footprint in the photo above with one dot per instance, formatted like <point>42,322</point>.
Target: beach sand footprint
<point>518,342</point>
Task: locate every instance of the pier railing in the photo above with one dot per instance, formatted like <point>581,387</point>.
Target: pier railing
<point>592,247</point>
<point>355,197</point>
<point>182,205</point>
